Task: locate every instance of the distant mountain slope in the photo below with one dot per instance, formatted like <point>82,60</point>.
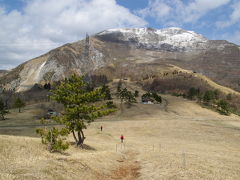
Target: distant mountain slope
<point>124,48</point>
<point>2,72</point>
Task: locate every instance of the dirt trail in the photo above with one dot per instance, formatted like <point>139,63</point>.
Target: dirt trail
<point>129,168</point>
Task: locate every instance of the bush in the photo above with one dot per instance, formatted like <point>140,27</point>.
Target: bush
<point>157,97</point>
<point>3,110</point>
<point>147,97</point>
<point>106,91</point>
<point>208,96</point>
<point>111,105</point>
<point>176,94</point>
<point>19,103</point>
<point>193,93</point>
<point>54,138</point>
<point>223,107</point>
<point>136,93</point>
<point>127,96</point>
<point>151,97</point>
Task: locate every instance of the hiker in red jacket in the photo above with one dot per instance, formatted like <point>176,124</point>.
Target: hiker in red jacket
<point>122,138</point>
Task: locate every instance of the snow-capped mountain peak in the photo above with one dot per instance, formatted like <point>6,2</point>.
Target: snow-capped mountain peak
<point>171,39</point>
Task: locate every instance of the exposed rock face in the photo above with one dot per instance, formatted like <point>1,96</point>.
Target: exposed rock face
<point>122,48</point>
<point>54,66</point>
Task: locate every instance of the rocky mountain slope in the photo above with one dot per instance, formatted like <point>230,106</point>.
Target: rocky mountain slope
<point>2,72</point>
<point>139,52</point>
<point>171,39</point>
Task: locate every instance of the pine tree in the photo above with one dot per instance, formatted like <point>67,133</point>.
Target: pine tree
<point>136,93</point>
<point>127,96</point>
<point>81,106</point>
<point>54,138</point>
<point>19,104</point>
<point>156,97</point>
<point>107,92</point>
<point>3,110</point>
<point>119,86</point>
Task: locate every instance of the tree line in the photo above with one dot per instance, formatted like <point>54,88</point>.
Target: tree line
<point>19,104</point>
<point>211,98</point>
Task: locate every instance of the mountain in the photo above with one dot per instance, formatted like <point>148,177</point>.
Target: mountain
<point>138,53</point>
<point>171,39</point>
<point>3,72</point>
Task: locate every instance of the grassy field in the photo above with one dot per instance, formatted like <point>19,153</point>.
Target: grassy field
<point>176,140</point>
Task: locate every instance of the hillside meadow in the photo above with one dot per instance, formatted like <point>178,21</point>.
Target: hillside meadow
<point>175,140</point>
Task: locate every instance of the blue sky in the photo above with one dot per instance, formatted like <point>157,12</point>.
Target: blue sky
<point>208,23</point>
<point>30,28</point>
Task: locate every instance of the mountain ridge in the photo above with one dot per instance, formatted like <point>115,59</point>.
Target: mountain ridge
<point>213,58</point>
<point>170,39</point>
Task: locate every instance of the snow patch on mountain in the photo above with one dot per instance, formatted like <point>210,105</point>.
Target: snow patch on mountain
<point>172,39</point>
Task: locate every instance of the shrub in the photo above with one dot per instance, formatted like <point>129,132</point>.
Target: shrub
<point>136,93</point>
<point>157,97</point>
<point>54,138</point>
<point>151,97</point>
<point>106,91</point>
<point>223,107</point>
<point>193,93</point>
<point>208,96</point>
<point>127,96</point>
<point>3,110</point>
<point>111,105</point>
<point>19,103</point>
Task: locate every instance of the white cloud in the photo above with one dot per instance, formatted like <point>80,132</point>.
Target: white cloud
<point>155,9</point>
<point>177,12</point>
<point>46,24</point>
<point>233,18</point>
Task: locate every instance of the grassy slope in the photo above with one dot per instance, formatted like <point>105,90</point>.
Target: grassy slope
<point>211,83</point>
<point>156,139</point>
<point>224,89</point>
<point>28,119</point>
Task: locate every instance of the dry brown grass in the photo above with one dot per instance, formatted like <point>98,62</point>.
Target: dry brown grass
<point>157,139</point>
<point>26,158</point>
<point>213,84</point>
<point>223,89</point>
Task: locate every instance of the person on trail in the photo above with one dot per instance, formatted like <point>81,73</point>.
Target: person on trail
<point>122,138</point>
<point>101,128</point>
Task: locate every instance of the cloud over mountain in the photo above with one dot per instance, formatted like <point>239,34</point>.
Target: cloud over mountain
<point>45,24</point>
<point>37,26</point>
